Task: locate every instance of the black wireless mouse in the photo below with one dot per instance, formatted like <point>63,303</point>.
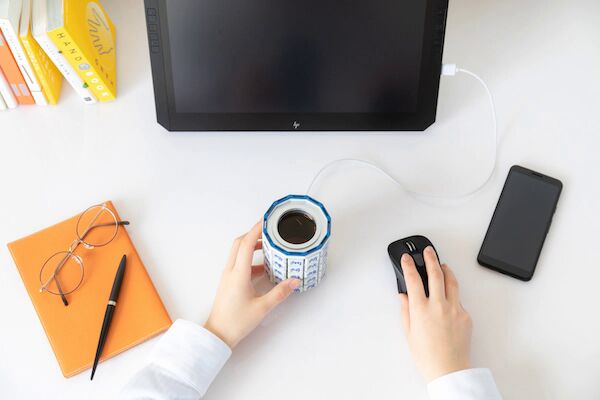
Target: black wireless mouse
<point>413,245</point>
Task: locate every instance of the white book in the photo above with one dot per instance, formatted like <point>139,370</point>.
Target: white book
<point>6,92</point>
<point>39,25</point>
<point>10,15</point>
<point>2,103</point>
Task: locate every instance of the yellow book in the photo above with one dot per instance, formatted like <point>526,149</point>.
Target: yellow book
<point>86,36</point>
<point>48,75</point>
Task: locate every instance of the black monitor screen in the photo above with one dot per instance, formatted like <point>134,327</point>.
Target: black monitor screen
<point>295,56</point>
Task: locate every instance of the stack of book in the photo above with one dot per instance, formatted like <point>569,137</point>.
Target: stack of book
<point>42,41</point>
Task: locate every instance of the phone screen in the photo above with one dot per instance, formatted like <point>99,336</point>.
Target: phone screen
<point>520,223</point>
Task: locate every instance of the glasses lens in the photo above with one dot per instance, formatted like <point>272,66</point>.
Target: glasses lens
<point>69,275</point>
<point>97,226</point>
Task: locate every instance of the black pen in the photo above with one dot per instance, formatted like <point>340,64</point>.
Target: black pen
<point>110,309</point>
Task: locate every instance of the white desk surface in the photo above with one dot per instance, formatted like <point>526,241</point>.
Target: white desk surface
<point>189,194</point>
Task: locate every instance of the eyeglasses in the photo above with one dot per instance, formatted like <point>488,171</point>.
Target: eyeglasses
<point>63,272</point>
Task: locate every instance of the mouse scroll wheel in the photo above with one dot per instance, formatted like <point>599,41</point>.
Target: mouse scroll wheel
<point>411,246</point>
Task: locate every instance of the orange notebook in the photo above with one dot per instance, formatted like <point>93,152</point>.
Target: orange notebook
<point>73,331</point>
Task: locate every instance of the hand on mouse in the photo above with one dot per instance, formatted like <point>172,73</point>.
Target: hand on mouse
<point>237,308</point>
<point>438,328</point>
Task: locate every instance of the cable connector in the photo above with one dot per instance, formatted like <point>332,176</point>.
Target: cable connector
<point>449,69</point>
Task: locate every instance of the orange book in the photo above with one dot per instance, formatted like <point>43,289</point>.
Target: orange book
<point>13,75</point>
<point>73,331</point>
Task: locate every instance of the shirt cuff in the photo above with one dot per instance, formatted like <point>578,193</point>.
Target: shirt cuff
<point>192,354</point>
<point>468,384</point>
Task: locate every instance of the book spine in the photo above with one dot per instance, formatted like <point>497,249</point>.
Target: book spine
<point>65,69</point>
<point>2,103</point>
<point>79,62</point>
<point>22,61</point>
<point>13,74</point>
<point>37,69</point>
<point>6,92</point>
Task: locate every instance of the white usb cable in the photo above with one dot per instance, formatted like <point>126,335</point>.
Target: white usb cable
<point>447,70</point>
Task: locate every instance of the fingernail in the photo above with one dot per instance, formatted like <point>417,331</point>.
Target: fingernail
<point>405,257</point>
<point>295,284</point>
<point>429,249</point>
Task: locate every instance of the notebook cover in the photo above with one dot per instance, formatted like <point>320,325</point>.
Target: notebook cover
<point>73,331</point>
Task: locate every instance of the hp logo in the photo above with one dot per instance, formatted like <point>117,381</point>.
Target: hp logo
<point>296,124</point>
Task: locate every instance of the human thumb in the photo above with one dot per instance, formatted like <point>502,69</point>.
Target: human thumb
<point>279,293</point>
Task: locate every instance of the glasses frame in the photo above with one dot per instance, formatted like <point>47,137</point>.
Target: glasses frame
<point>74,245</point>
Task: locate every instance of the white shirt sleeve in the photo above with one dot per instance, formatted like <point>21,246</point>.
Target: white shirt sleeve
<point>188,357</point>
<point>469,384</point>
<point>183,364</point>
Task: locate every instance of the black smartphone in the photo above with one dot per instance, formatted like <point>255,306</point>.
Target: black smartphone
<point>520,223</point>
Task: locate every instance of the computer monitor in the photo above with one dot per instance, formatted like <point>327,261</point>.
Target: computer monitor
<point>316,65</point>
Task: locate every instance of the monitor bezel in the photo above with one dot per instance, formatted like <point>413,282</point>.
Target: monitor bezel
<point>170,119</point>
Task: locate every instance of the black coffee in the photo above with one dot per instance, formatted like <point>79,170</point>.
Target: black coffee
<point>296,227</point>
